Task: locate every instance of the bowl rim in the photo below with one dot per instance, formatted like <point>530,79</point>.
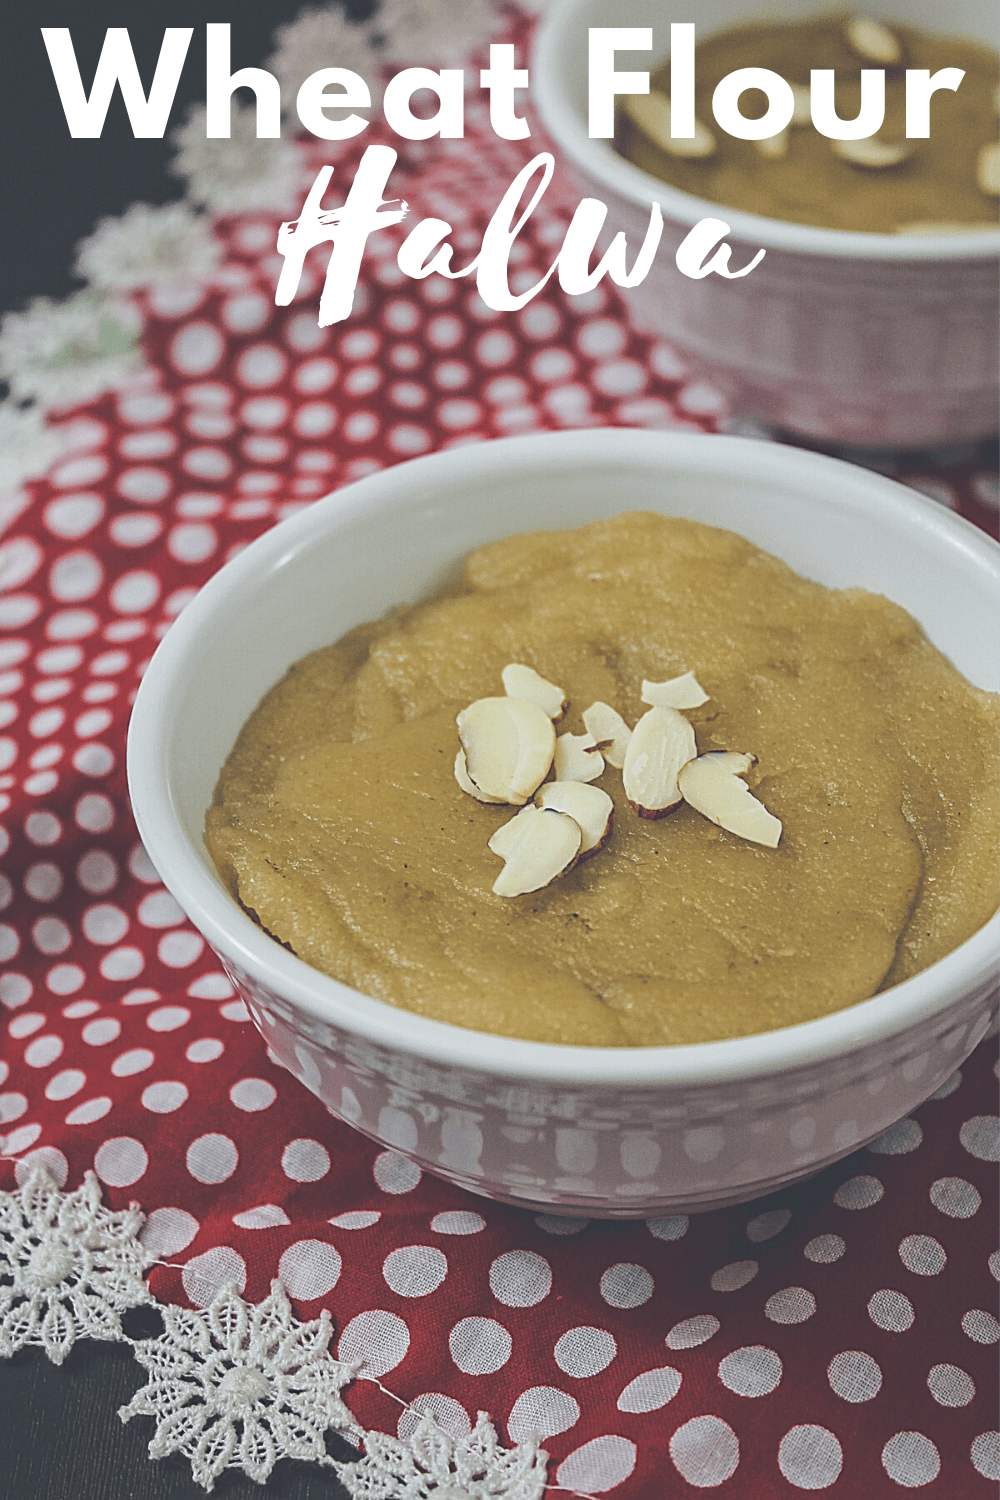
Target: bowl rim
<point>599,159</point>
<point>237,939</point>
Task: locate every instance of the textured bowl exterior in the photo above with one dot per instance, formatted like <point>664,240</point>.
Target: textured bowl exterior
<point>613,1132</point>
<point>879,340</point>
<point>600,1152</point>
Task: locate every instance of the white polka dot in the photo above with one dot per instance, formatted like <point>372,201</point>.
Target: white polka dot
<point>994,1265</point>
<point>261,365</point>
<point>982,1327</point>
<point>309,1269</point>
<point>705,1451</point>
<point>981,1137</point>
<point>314,376</point>
<point>213,986</point>
<point>25,1025</point>
<point>541,1412</point>
<point>585,1351</point>
<point>42,882</point>
<point>376,1340</point>
<point>105,924</point>
<point>479,1346</point>
<point>356,1219</point>
<point>911,1459</point>
<point>955,1197</point>
<point>50,935</point>
<point>810,1457</point>
<point>121,1161</point>
<point>234,1011</point>
<point>94,760</point>
<point>449,1414</point>
<point>21,1138</point>
<point>558,1224</point>
<point>626,1285</point>
<point>692,1331</point>
<point>179,949</point>
<point>891,1310</point>
<point>73,516</point>
<point>414,1270</point>
<point>197,348</point>
<point>94,812</point>
<point>13,1106</point>
<point>950,1386</point>
<point>735,1275</point>
<point>793,1304</point>
<point>168,1018</point>
<point>854,1376</point>
<point>168,1230</point>
<point>136,1060</point>
<point>74,576</point>
<point>43,1051</point>
<point>858,1192</point>
<point>135,530</point>
<point>134,592</point>
<point>651,1390</point>
<point>206,1049</point>
<point>752,1371</point>
<point>395,1173</point>
<point>949,1086</point>
<point>205,1276</point>
<point>252,1094</point>
<point>122,963</point>
<point>192,542</point>
<point>10,943</point>
<point>45,723</point>
<point>458,1222</point>
<point>520,1278</point>
<point>212,1158</point>
<point>79,1009</point>
<point>922,1254</point>
<point>15,990</point>
<point>53,1160</point>
<point>91,1110</point>
<point>100,1033</point>
<point>599,1465</point>
<point>305,1160</point>
<point>163,1098</point>
<point>65,1084</point>
<point>904,1136</point>
<point>985,1454</point>
<point>265,1216</point>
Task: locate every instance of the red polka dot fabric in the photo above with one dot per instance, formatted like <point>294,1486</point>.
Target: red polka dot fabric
<point>840,1336</point>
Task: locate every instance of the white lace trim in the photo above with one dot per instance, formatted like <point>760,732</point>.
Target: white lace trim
<point>232,1386</point>
<point>240,173</point>
<point>62,352</point>
<point>68,1266</point>
<point>435,1466</point>
<point>149,246</point>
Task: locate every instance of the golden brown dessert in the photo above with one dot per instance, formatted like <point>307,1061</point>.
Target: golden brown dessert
<point>339,823</point>
<point>913,186</point>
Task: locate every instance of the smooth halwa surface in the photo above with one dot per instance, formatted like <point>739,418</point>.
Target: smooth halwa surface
<point>337,820</point>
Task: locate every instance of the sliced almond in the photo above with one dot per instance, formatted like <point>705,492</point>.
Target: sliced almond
<point>651,113</point>
<point>944,226</point>
<point>606,723</point>
<point>802,104</point>
<point>589,806</point>
<point>871,153</point>
<point>869,39</point>
<point>535,846</point>
<point>524,682</point>
<point>662,742</point>
<point>775,146</point>
<point>676,692</point>
<point>577,758</point>
<point>508,744</point>
<point>988,169</point>
<point>467,784</point>
<point>712,786</point>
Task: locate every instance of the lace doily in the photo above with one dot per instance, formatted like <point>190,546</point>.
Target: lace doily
<point>434,1466</point>
<point>68,1266</point>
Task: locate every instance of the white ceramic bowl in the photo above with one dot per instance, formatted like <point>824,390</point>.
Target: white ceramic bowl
<point>875,339</point>
<point>598,1131</point>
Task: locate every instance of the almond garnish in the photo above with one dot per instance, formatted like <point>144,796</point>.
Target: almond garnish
<point>871,40</point>
<point>605,723</point>
<point>678,692</point>
<point>467,784</point>
<point>589,806</point>
<point>577,758</point>
<point>774,146</point>
<point>524,682</point>
<point>988,169</point>
<point>508,744</point>
<point>712,786</point>
<point>535,846</point>
<point>662,743</point>
<point>651,113</point>
<point>871,153</point>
